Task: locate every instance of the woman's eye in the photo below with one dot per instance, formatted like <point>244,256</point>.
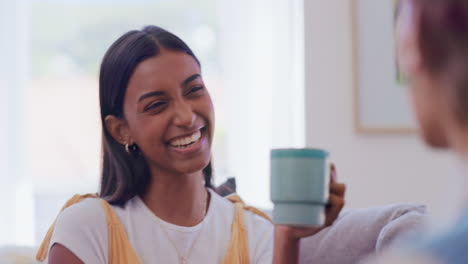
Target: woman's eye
<point>155,106</point>
<point>195,89</point>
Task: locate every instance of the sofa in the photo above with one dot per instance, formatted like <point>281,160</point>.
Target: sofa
<point>359,233</point>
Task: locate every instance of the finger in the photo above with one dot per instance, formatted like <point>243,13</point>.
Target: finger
<point>336,203</point>
<point>338,189</point>
<point>332,173</point>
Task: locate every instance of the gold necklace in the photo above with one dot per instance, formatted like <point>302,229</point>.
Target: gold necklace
<point>183,258</point>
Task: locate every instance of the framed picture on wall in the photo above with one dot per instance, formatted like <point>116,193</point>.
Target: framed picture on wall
<point>381,101</point>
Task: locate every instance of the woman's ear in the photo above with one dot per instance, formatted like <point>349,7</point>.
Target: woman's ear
<point>118,129</point>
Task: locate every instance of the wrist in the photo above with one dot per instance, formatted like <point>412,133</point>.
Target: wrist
<point>286,234</point>
<point>286,249</point>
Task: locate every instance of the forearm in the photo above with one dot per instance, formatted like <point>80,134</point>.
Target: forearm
<point>286,247</point>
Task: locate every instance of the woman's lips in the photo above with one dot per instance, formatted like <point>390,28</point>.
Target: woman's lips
<point>189,144</point>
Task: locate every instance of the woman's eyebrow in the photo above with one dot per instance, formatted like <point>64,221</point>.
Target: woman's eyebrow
<point>189,79</point>
<point>150,94</point>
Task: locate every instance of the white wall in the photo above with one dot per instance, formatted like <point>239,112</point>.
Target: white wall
<point>378,169</point>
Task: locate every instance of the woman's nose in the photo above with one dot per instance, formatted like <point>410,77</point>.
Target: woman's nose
<point>184,115</point>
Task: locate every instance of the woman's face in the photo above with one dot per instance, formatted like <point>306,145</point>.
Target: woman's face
<point>427,95</point>
<point>169,114</point>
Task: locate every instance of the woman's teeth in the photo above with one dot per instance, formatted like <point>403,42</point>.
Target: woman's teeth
<point>183,142</point>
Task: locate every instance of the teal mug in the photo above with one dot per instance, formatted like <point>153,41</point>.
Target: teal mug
<point>299,186</point>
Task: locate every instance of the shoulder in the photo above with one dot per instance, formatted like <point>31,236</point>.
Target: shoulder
<point>220,201</point>
<point>81,212</point>
<point>260,237</point>
<point>222,208</point>
<point>82,229</point>
<point>252,221</point>
<point>257,222</point>
<point>451,246</point>
<point>259,230</point>
<point>86,216</point>
<point>250,218</point>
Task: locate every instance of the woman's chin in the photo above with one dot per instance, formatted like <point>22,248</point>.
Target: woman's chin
<point>193,168</point>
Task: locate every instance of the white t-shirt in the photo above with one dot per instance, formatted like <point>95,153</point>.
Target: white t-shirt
<point>82,228</point>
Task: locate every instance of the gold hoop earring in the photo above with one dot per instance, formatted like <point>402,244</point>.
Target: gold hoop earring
<point>131,149</point>
<point>127,149</point>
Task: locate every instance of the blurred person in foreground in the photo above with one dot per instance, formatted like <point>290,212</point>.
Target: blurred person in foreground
<point>432,44</point>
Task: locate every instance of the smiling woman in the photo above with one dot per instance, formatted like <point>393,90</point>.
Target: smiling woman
<point>158,122</point>
<point>160,97</point>
<point>156,200</point>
